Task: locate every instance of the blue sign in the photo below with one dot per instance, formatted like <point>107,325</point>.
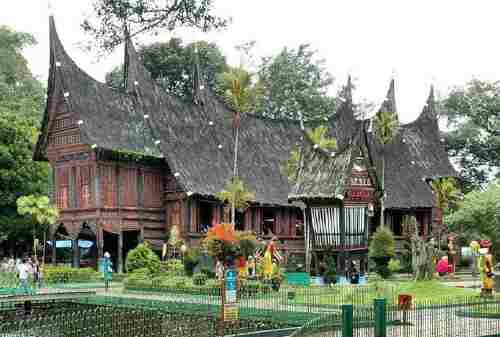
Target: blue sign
<point>231,281</point>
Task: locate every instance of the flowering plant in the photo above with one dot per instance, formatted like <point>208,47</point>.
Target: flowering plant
<point>222,243</point>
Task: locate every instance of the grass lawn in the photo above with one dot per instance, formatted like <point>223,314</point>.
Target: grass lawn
<point>423,292</point>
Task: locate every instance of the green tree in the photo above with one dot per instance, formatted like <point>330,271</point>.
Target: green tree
<point>21,104</point>
<point>172,63</point>
<point>473,115</point>
<point>152,16</point>
<point>20,92</point>
<point>239,93</point>
<point>382,248</point>
<point>43,213</point>
<point>295,85</point>
<point>478,216</point>
<point>386,128</point>
<point>236,194</point>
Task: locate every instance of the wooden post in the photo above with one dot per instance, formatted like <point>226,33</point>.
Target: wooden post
<point>76,253</point>
<point>120,252</point>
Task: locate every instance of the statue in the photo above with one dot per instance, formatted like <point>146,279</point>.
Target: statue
<point>475,246</point>
<point>486,269</point>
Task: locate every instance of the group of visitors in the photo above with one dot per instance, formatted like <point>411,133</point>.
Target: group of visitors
<point>24,269</point>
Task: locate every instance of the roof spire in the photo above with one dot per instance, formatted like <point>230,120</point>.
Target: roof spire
<point>198,81</point>
<point>429,110</point>
<point>389,103</point>
<point>50,8</point>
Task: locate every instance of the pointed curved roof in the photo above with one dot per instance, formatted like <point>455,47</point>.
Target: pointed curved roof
<point>197,140</point>
<point>415,156</point>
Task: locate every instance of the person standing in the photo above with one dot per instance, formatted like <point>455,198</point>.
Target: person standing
<point>23,272</point>
<point>107,268</point>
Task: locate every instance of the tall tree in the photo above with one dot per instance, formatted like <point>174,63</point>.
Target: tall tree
<point>152,16</point>
<point>473,114</point>
<point>172,63</point>
<point>42,212</point>
<point>21,102</point>
<point>239,93</point>
<point>295,82</point>
<point>386,128</point>
<point>20,92</point>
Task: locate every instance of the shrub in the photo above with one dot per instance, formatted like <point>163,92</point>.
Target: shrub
<point>68,274</point>
<point>174,267</point>
<point>200,279</point>
<point>191,260</point>
<point>142,257</point>
<point>382,243</point>
<point>382,248</point>
<point>394,265</point>
<point>330,274</point>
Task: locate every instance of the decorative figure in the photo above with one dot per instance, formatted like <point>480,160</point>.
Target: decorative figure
<point>475,246</point>
<point>268,260</point>
<point>486,268</point>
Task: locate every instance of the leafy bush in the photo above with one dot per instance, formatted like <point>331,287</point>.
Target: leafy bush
<point>394,265</point>
<point>382,248</point>
<point>330,274</point>
<point>200,279</point>
<point>382,243</point>
<point>191,260</point>
<point>174,267</point>
<point>142,257</point>
<point>68,274</point>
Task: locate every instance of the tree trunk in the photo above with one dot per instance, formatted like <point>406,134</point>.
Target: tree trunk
<point>44,243</point>
<point>382,183</point>
<point>235,175</point>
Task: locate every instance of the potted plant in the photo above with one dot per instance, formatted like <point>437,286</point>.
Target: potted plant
<point>330,274</point>
<point>382,249</point>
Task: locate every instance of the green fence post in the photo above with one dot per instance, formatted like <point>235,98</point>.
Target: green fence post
<point>380,318</point>
<point>347,320</point>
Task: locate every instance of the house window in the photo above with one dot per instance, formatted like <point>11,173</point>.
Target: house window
<point>205,216</point>
<point>268,226</point>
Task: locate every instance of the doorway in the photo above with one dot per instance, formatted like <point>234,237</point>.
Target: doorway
<point>130,241</point>
<point>110,245</point>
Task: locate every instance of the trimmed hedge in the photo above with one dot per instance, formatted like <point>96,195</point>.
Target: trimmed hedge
<point>69,275</point>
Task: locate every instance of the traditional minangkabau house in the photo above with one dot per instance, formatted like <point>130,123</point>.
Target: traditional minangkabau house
<point>130,164</point>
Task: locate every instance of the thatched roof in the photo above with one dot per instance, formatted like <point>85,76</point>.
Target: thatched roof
<point>197,143</point>
<point>415,156</point>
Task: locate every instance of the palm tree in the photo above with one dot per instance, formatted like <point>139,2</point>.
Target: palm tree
<point>239,92</point>
<point>386,128</point>
<point>447,194</point>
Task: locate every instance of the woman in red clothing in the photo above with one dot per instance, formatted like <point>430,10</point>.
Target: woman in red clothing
<point>442,266</point>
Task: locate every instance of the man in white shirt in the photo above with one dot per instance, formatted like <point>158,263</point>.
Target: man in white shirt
<point>23,271</point>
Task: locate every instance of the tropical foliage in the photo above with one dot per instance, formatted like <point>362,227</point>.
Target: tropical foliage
<point>21,103</point>
<point>295,85</point>
<point>238,90</point>
<point>236,194</point>
<point>171,65</point>
<point>446,192</point>
<point>473,116</point>
<point>478,216</point>
<point>110,16</point>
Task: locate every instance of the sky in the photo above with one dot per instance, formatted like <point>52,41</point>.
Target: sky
<point>419,43</point>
